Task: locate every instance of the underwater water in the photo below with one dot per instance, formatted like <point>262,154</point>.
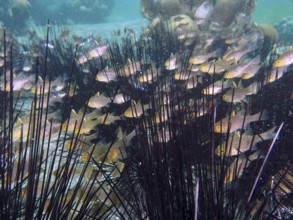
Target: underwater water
<point>270,11</point>
<point>151,109</point>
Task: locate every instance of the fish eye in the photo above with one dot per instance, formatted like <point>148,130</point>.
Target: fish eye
<point>22,194</point>
<point>113,155</point>
<point>83,158</point>
<point>218,128</point>
<point>271,78</point>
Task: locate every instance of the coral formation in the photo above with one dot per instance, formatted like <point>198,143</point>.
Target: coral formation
<point>285,30</point>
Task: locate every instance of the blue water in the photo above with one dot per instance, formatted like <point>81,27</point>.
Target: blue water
<point>123,12</point>
<point>272,11</point>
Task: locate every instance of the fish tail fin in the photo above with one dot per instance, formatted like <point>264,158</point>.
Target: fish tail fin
<point>256,155</point>
<point>264,115</point>
<point>218,52</point>
<point>270,134</point>
<point>255,60</point>
<point>253,89</point>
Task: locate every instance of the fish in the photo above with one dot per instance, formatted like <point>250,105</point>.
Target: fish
<point>203,57</point>
<point>215,66</point>
<point>75,120</point>
<point>123,139</point>
<point>51,99</point>
<point>171,63</point>
<point>119,99</point>
<point>23,128</point>
<point>184,75</point>
<point>135,110</point>
<point>95,52</point>
<point>20,82</point>
<point>233,39</point>
<point>240,69</point>
<point>239,94</point>
<point>149,76</point>
<point>108,118</point>
<point>86,126</point>
<point>217,87</point>
<point>285,59</point>
<point>107,75</point>
<point>238,144</point>
<point>99,150</point>
<point>239,165</point>
<point>116,150</point>
<point>276,73</point>
<point>250,72</point>
<point>98,101</point>
<point>236,122</point>
<point>130,68</point>
<point>193,81</point>
<point>236,54</point>
<point>43,86</point>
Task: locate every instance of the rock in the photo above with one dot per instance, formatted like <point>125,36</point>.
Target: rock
<point>285,30</point>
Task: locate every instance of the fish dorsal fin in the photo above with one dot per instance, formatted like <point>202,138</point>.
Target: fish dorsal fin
<point>234,48</point>
<point>41,79</point>
<point>120,133</point>
<point>129,61</point>
<point>240,84</point>
<point>133,102</point>
<point>73,113</point>
<point>19,121</point>
<point>80,112</point>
